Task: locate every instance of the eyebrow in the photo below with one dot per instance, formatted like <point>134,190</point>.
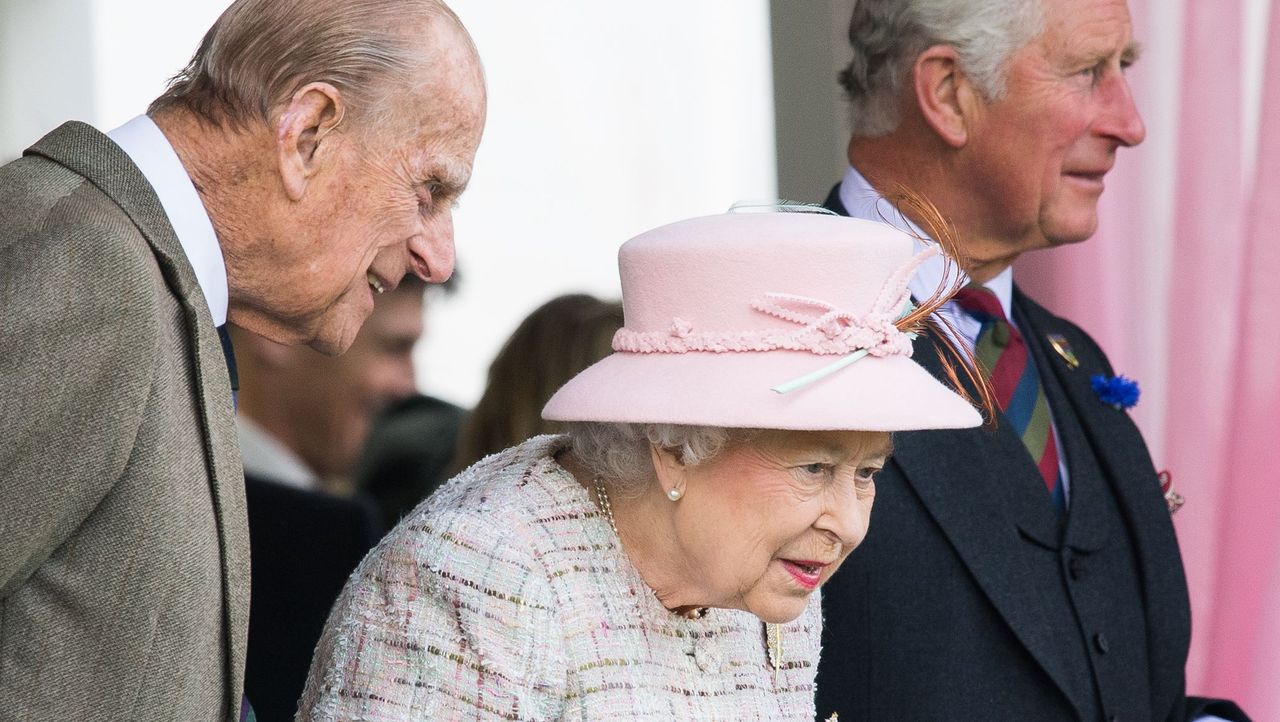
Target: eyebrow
<point>885,449</point>
<point>1132,52</point>
<point>878,451</point>
<point>451,176</point>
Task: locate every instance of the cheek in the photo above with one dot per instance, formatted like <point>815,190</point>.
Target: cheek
<point>732,541</point>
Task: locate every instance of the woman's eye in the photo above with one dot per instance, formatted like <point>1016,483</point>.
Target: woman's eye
<point>868,473</point>
<point>814,469</point>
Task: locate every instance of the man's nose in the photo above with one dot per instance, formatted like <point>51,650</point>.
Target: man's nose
<point>431,254</point>
<point>1122,121</point>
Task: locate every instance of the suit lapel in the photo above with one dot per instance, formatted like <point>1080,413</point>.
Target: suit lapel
<point>988,513</point>
<point>91,154</point>
<point>1126,463</point>
<point>833,202</point>
<point>981,503</point>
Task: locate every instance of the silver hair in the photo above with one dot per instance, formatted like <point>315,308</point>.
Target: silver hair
<point>888,35</point>
<point>618,454</point>
<point>259,52</point>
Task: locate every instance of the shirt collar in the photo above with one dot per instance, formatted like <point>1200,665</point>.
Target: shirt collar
<point>265,457</point>
<point>864,201</point>
<point>148,148</point>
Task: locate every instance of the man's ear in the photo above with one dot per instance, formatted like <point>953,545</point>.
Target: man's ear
<point>306,120</point>
<point>944,94</point>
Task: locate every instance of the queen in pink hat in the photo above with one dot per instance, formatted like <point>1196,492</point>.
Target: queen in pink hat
<point>662,559</point>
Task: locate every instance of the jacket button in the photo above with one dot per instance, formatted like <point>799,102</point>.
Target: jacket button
<point>1075,568</point>
<point>1100,643</point>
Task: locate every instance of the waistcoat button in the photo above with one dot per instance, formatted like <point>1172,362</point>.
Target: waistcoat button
<point>1101,643</point>
<point>1075,568</point>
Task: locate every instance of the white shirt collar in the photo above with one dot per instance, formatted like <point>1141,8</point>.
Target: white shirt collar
<point>265,457</point>
<point>864,201</point>
<point>150,150</point>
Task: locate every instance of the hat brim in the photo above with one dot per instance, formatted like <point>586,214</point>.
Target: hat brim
<point>733,390</point>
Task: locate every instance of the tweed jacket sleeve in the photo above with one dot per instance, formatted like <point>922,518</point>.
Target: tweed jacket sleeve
<point>449,618</point>
<point>76,346</point>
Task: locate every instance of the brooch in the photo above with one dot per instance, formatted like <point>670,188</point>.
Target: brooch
<point>1172,499</point>
<point>1063,349</point>
<point>1117,391</point>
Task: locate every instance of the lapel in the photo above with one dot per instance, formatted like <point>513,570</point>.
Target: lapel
<point>833,202</point>
<point>1086,523</point>
<point>989,510</point>
<point>1126,464</point>
<point>91,154</point>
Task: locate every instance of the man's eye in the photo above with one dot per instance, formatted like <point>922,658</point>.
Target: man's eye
<point>1094,73</point>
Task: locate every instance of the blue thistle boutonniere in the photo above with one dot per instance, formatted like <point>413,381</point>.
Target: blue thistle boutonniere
<point>1118,391</point>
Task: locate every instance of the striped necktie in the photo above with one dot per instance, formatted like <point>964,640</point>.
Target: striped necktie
<point>1003,358</point>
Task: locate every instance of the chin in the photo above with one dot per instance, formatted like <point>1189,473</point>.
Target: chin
<point>1075,228</point>
<point>338,331</point>
<point>783,612</point>
<point>332,344</point>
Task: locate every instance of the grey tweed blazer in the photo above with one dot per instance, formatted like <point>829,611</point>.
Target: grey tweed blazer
<point>124,553</point>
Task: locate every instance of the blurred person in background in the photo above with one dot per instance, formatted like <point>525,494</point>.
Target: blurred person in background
<point>407,456</point>
<point>660,561</point>
<point>1028,571</point>
<point>303,417</point>
<point>550,346</point>
<point>304,161</point>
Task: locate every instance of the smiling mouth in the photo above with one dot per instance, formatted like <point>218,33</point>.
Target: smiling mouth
<point>375,284</point>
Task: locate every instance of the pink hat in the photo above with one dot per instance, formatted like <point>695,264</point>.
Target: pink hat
<point>768,321</point>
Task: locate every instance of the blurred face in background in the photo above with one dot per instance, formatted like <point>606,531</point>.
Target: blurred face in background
<point>322,407</point>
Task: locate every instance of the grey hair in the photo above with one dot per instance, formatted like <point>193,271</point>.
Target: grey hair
<point>618,454</point>
<point>259,52</point>
<point>888,35</point>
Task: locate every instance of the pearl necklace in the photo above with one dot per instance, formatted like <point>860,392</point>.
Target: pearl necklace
<point>773,632</point>
<point>607,508</point>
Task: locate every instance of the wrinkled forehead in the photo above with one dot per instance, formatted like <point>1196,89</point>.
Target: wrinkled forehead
<point>1088,27</point>
<point>865,445</point>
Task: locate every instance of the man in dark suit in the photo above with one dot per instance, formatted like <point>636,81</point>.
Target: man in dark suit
<point>1025,570</point>
<point>305,160</point>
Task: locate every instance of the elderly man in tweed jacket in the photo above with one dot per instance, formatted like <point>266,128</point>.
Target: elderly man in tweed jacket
<point>304,160</point>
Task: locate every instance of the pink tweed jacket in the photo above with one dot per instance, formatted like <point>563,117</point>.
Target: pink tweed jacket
<point>505,596</point>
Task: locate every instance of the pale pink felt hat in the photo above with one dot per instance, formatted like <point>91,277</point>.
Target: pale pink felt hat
<point>765,321</point>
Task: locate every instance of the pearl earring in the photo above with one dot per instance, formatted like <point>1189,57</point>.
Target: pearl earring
<point>674,494</point>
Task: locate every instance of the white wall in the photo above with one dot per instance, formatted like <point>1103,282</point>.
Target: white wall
<point>605,119</point>
<point>139,45</point>
<point>46,49</point>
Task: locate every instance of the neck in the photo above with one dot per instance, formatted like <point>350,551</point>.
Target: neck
<point>909,162</point>
<point>646,533</point>
<point>224,163</point>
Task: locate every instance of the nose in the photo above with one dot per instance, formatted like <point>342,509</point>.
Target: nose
<point>845,521</point>
<point>431,254</point>
<point>1121,119</point>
